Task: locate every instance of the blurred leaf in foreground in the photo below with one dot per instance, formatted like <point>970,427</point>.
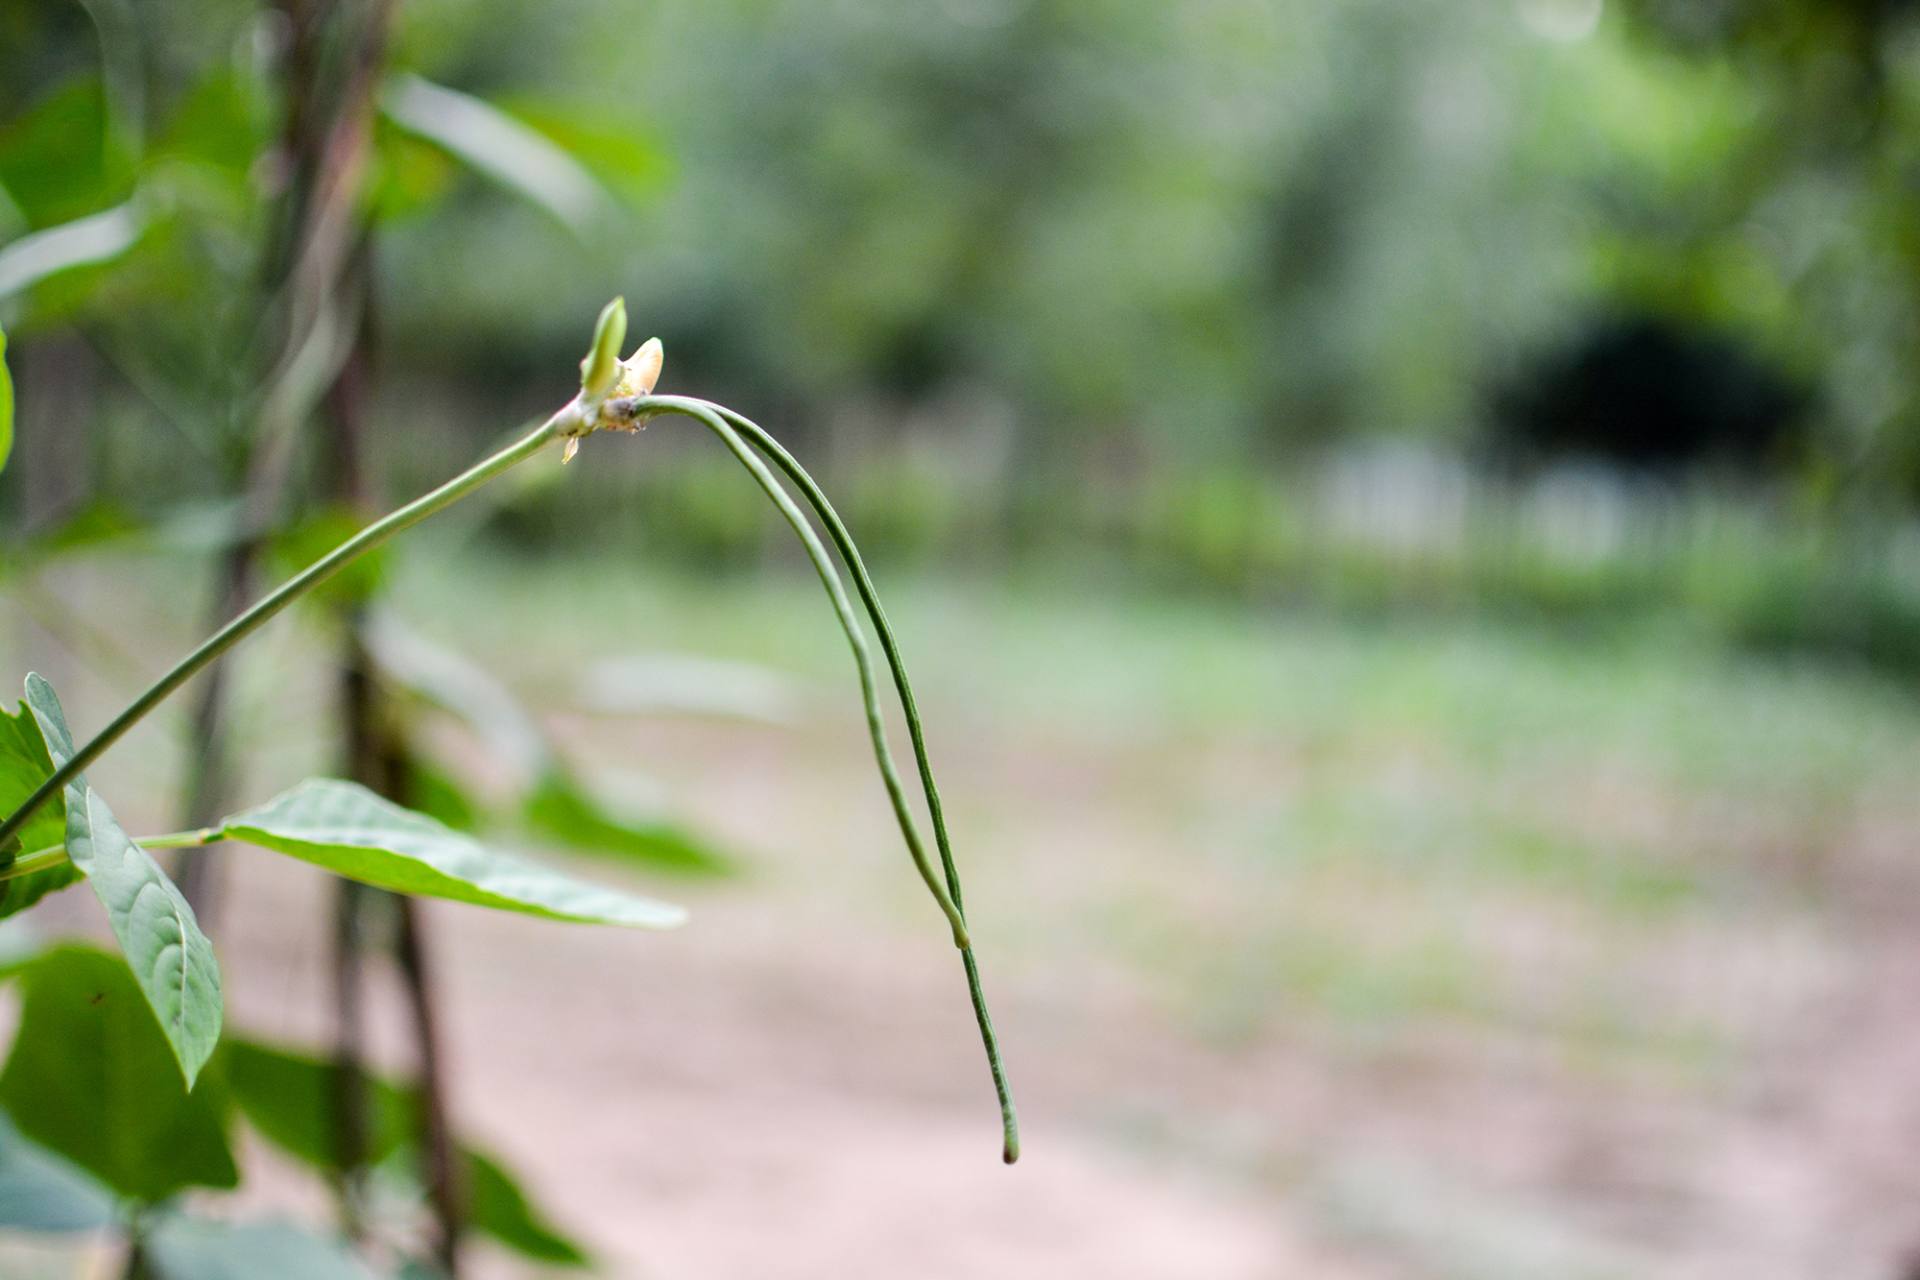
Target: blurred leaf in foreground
<point>41,1192</point>
<point>92,1078</point>
<point>194,1249</point>
<point>497,1206</point>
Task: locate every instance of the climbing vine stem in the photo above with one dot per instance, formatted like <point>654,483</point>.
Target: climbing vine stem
<point>264,610</point>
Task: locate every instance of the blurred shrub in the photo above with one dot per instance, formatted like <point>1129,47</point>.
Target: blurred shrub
<point>1644,391</point>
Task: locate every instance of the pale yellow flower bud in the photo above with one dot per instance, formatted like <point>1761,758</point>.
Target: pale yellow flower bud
<point>641,370</point>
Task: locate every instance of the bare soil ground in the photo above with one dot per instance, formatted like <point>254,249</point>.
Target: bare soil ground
<point>1316,954</point>
<point>789,1086</point>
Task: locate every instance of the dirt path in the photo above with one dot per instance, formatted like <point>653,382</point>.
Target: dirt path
<point>749,1098</point>
<point>790,1087</point>
<point>1419,958</point>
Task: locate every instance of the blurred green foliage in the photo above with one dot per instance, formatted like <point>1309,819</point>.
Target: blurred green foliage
<point>1026,276</point>
<point>1195,232</point>
<point>91,1076</point>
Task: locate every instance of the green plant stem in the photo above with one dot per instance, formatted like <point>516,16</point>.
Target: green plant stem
<point>268,606</point>
<point>39,860</point>
<point>863,583</point>
<point>183,839</point>
<point>850,553</point>
<point>870,597</point>
<point>53,855</point>
<point>709,415</point>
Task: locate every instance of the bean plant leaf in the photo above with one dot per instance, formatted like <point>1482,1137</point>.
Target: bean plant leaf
<point>346,829</point>
<point>288,1097</point>
<point>24,765</point>
<point>169,955</point>
<point>92,1079</point>
<point>562,810</point>
<point>6,404</point>
<point>41,1192</point>
<point>181,1248</point>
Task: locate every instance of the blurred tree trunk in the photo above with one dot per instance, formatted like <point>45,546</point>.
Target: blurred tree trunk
<point>378,757</point>
<point>317,289</point>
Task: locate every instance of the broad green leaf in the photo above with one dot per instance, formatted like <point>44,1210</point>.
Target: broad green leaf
<point>92,1079</point>
<point>24,765</point>
<point>497,1206</point>
<point>563,811</point>
<point>163,944</point>
<point>292,1099</point>
<point>6,404</point>
<point>195,1249</point>
<point>288,1097</point>
<point>348,830</point>
<point>41,1192</point>
<point>496,144</point>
